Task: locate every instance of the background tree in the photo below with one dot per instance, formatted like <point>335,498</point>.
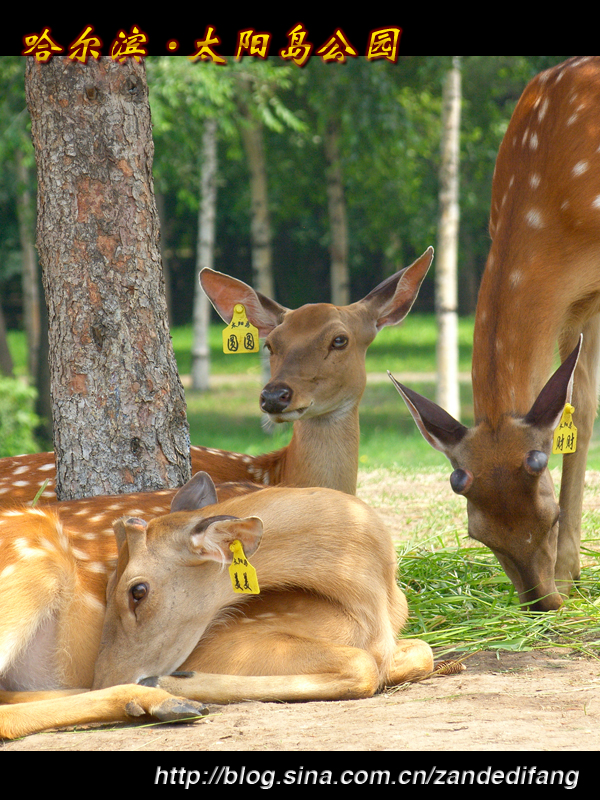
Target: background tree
<point>119,410</point>
<point>447,250</point>
<point>243,100</point>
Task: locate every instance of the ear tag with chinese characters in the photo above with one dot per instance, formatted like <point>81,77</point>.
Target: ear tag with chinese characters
<point>240,336</point>
<point>565,436</point>
<point>242,573</point>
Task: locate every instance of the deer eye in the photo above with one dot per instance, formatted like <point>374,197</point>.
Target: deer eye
<point>136,594</point>
<point>535,462</point>
<point>461,480</point>
<point>340,342</point>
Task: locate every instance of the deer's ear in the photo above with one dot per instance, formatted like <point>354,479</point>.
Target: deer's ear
<point>549,405</point>
<point>393,298</point>
<point>198,492</point>
<point>211,542</point>
<point>438,427</point>
<point>225,292</point>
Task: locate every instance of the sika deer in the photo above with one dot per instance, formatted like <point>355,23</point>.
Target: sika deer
<point>324,625</point>
<point>318,377</point>
<point>540,288</point>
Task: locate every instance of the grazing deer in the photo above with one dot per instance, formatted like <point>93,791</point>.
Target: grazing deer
<point>318,377</point>
<point>323,626</point>
<point>540,287</point>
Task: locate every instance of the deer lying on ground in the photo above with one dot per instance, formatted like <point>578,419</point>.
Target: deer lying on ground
<point>323,627</point>
<point>541,286</point>
<point>318,377</point>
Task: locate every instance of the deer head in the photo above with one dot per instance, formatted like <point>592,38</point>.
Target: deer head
<point>169,584</point>
<point>502,472</point>
<point>317,352</point>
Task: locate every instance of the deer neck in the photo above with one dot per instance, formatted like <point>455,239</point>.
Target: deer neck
<point>323,452</point>
<point>513,344</point>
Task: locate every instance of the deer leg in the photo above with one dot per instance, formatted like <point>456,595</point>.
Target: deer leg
<point>304,670</point>
<point>412,660</point>
<point>13,698</point>
<point>585,388</point>
<point>114,704</point>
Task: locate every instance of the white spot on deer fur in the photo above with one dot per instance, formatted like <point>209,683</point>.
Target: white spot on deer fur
<point>534,218</point>
<point>46,467</point>
<point>20,483</point>
<point>97,566</point>
<point>580,168</point>
<point>8,570</point>
<point>80,554</point>
<point>543,109</point>
<point>596,202</point>
<point>573,118</point>
<point>515,278</point>
<point>20,470</point>
<point>23,548</point>
<point>525,137</point>
<point>534,180</point>
<point>92,601</point>
<point>533,141</point>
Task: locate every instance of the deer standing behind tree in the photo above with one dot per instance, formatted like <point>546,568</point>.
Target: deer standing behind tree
<point>318,376</point>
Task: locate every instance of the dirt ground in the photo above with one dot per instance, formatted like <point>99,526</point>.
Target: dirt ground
<point>534,701</point>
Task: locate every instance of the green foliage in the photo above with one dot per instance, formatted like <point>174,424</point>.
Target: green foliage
<point>17,420</point>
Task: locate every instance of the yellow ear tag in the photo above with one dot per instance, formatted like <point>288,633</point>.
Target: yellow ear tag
<point>565,436</point>
<point>242,573</point>
<point>240,336</point>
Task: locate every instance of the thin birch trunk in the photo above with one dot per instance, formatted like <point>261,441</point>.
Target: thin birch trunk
<point>205,256</point>
<point>338,248</point>
<point>446,256</point>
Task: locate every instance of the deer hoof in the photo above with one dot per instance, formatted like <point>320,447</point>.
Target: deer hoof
<point>178,708</point>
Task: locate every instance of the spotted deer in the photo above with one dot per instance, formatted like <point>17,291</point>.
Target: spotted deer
<point>540,288</point>
<point>167,633</point>
<point>318,377</point>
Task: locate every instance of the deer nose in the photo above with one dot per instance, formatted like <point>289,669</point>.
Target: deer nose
<point>275,398</point>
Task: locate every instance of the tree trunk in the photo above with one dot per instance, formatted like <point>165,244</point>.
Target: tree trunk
<point>30,283</point>
<point>6,362</point>
<point>118,405</point>
<point>205,256</point>
<point>260,224</point>
<point>446,257</point>
<point>162,219</point>
<point>338,248</point>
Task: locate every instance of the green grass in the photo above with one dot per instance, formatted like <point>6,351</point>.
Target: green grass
<point>461,601</point>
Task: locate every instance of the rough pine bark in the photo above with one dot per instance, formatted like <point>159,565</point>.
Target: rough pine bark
<point>119,411</point>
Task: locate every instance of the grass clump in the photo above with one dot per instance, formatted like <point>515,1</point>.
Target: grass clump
<point>461,601</point>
